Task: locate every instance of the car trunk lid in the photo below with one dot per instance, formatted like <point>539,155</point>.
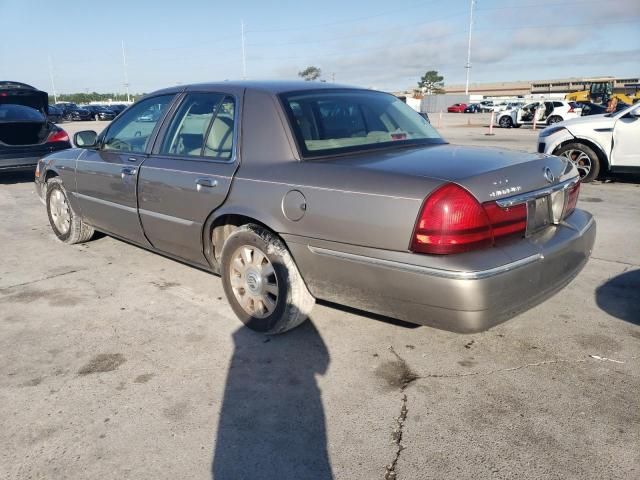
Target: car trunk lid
<point>488,173</point>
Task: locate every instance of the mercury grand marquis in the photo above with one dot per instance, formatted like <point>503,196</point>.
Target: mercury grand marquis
<point>294,191</point>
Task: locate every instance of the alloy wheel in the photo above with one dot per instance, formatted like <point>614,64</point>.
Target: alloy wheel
<point>60,212</point>
<point>580,159</point>
<point>253,281</point>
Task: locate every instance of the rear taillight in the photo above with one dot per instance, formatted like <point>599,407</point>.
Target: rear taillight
<point>453,221</point>
<point>58,136</point>
<point>506,221</point>
<point>572,199</point>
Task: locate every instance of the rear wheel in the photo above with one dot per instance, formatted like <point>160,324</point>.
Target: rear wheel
<point>261,281</point>
<point>584,158</point>
<point>67,226</point>
<point>505,122</point>
<point>554,119</point>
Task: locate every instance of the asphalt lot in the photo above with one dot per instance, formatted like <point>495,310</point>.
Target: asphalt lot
<point>121,364</point>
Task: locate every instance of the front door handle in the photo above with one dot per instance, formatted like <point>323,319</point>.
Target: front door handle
<point>205,183</point>
<point>127,171</point>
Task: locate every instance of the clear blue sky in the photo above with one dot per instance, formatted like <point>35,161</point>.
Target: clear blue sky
<point>371,43</point>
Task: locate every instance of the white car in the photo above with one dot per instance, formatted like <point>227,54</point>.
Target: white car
<point>597,143</point>
<point>545,112</point>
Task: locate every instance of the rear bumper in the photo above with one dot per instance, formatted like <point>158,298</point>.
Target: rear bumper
<point>10,163</point>
<point>460,299</point>
<point>26,158</point>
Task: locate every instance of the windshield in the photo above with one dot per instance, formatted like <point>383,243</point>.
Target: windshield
<point>330,122</point>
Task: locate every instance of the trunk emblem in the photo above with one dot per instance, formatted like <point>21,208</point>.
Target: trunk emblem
<point>548,175</point>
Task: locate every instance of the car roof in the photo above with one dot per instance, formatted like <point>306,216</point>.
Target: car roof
<point>270,86</point>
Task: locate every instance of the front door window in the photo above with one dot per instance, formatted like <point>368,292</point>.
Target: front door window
<point>131,132</point>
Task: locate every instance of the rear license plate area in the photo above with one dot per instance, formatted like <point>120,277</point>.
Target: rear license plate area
<point>539,214</point>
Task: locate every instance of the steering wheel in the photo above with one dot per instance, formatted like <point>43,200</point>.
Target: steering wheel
<point>117,144</point>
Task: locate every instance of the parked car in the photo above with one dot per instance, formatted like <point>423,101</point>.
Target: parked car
<point>545,112</point>
<point>99,112</point>
<point>329,192</point>
<point>26,135</point>
<point>588,108</point>
<point>472,108</point>
<point>76,114</point>
<point>116,108</point>
<point>486,106</point>
<point>457,108</point>
<point>54,114</point>
<point>598,143</point>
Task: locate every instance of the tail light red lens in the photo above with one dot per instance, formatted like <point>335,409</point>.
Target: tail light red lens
<point>453,221</point>
<point>506,221</point>
<point>572,199</point>
<point>58,136</point>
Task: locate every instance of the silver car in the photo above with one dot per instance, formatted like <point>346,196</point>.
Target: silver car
<point>296,191</point>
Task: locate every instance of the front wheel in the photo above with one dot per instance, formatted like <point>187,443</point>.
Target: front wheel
<point>554,119</point>
<point>584,158</point>
<point>261,281</point>
<point>67,226</point>
<point>505,122</point>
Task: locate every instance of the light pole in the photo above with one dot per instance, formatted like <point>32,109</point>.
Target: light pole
<point>126,76</point>
<point>244,61</point>
<point>53,85</point>
<point>468,65</point>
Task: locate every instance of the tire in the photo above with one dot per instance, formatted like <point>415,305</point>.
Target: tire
<point>505,121</point>
<point>554,119</point>
<point>583,157</point>
<point>258,271</point>
<point>96,117</point>
<point>72,231</point>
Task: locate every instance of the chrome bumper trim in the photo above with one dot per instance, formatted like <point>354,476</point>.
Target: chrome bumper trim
<point>524,197</point>
<point>436,272</point>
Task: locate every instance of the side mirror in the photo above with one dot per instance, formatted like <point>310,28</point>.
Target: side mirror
<point>85,139</point>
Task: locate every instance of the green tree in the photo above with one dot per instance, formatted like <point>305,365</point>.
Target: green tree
<point>310,74</point>
<point>431,83</point>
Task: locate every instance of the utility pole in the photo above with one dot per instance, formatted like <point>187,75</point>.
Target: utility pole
<point>53,85</point>
<point>126,76</point>
<point>468,65</point>
<point>244,59</point>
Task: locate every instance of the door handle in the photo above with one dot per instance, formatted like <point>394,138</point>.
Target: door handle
<point>128,171</point>
<point>205,183</point>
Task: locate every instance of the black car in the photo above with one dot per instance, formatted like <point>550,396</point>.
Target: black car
<point>55,114</point>
<point>99,112</point>
<point>472,108</point>
<point>26,135</point>
<point>116,108</point>
<point>76,114</point>
<point>598,109</point>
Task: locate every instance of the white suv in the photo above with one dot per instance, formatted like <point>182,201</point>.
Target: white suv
<point>547,112</point>
<point>597,143</point>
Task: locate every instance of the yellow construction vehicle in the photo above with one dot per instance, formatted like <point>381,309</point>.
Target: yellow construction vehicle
<point>601,91</point>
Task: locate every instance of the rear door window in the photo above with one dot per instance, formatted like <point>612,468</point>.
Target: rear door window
<point>203,126</point>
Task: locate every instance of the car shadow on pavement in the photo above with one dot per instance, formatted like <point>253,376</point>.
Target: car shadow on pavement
<point>9,178</point>
<point>370,315</point>
<point>272,423</point>
<point>619,296</point>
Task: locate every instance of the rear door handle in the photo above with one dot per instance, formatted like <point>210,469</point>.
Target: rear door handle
<point>205,183</point>
<point>128,171</point>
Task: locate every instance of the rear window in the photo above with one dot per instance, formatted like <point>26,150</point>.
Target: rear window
<point>19,113</point>
<point>329,122</point>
